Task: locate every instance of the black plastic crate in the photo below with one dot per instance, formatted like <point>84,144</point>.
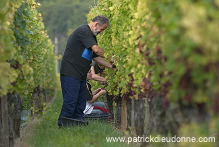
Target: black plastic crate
<point>73,122</point>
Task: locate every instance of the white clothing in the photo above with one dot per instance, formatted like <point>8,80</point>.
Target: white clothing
<point>89,108</point>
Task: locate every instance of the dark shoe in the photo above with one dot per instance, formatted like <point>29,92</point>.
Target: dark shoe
<point>73,122</point>
<point>59,123</point>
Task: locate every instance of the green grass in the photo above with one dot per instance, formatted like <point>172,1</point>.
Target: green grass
<point>46,133</point>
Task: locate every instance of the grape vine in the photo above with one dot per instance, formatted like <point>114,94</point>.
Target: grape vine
<point>28,59</point>
<point>168,48</point>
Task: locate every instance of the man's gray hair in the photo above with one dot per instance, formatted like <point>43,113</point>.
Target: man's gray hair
<point>101,19</point>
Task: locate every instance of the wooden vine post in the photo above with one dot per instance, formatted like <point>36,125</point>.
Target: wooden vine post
<point>124,115</point>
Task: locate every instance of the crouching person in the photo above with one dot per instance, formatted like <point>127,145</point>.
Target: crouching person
<point>93,96</point>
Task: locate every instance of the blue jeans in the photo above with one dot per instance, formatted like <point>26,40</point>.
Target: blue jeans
<point>74,98</point>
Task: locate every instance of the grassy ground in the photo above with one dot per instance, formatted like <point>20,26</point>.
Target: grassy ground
<point>46,133</point>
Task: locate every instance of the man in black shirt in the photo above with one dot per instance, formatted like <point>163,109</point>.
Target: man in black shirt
<point>81,48</point>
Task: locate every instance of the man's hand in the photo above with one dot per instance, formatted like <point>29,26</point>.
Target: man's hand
<point>113,66</point>
<point>104,83</point>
